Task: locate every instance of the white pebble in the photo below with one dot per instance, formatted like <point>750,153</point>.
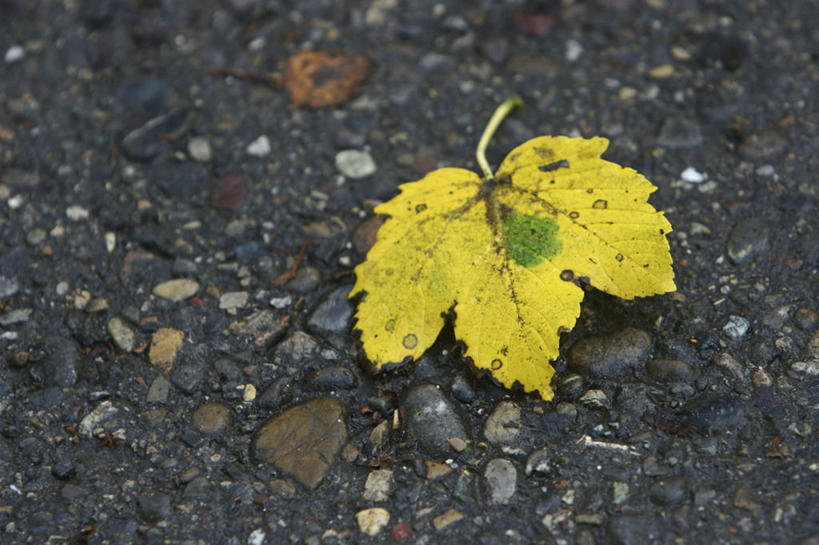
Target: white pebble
<point>693,176</point>
<point>256,537</point>
<point>573,50</point>
<point>14,54</point>
<point>354,163</point>
<point>76,212</point>
<point>199,150</point>
<point>259,147</point>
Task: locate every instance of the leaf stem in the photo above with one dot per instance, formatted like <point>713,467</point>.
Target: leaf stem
<point>501,112</point>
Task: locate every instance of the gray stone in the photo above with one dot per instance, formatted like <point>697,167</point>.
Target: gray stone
<point>8,287</point>
<point>295,349</point>
<point>503,426</point>
<point>304,441</point>
<point>433,419</point>
<point>333,315</point>
<point>611,355</point>
<point>60,367</point>
<point>501,479</point>
<point>710,413</point>
<point>15,316</point>
<point>159,390</point>
<point>748,239</point>
<point>153,506</point>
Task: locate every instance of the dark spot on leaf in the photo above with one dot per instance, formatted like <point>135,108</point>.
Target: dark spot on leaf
<point>574,215</point>
<point>567,275</point>
<point>600,204</point>
<point>390,325</point>
<point>420,207</point>
<point>410,341</point>
<point>563,163</point>
<point>496,364</point>
<point>590,190</point>
<point>619,257</point>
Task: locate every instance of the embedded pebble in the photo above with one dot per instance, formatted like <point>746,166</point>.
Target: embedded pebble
<point>670,370</point>
<point>101,413</point>
<point>632,530</point>
<point>165,346</point>
<point>371,521</point>
<point>679,133</point>
<point>714,413</point>
<point>259,147</point>
<point>153,506</point>
<point>748,238</point>
<point>60,367</point>
<point>8,287</point>
<point>736,327</point>
<point>501,478</point>
<point>433,419</point>
<point>462,389</point>
<point>379,485</point>
<point>199,149</point>
<point>233,300</point>
<point>354,163</point>
<point>15,316</point>
<point>177,290</point>
<point>446,518</point>
<point>570,386</point>
<point>211,418</point>
<point>670,491</point>
<point>610,355</point>
<point>503,426</point>
<point>263,326</point>
<point>806,367</point>
<point>304,441</point>
<point>595,400</point>
<point>123,336</point>
<point>333,315</point>
<point>364,235</point>
<point>159,390</point>
<point>334,377</point>
<point>538,463</point>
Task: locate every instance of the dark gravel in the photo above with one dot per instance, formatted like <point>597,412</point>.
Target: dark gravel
<point>233,404</point>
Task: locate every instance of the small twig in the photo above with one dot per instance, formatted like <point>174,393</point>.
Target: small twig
<point>255,77</point>
<point>291,274</point>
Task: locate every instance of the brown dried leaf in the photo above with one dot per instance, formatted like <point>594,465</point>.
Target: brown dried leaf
<point>317,79</point>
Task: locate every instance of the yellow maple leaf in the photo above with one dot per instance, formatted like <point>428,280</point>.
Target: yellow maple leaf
<point>503,252</point>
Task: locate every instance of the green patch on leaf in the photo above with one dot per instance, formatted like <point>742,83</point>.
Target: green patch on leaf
<point>530,239</point>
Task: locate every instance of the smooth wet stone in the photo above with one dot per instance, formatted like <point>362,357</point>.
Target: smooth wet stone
<point>211,418</point>
<point>749,238</point>
<point>433,419</point>
<point>670,371</point>
<point>538,463</point>
<point>632,530</point>
<point>333,315</point>
<point>503,426</point>
<point>334,377</point>
<point>501,479</point>
<point>304,441</point>
<point>612,355</point>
